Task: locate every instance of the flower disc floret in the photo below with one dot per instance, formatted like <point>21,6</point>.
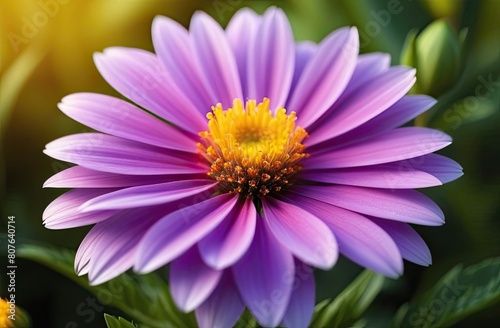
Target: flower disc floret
<point>251,150</point>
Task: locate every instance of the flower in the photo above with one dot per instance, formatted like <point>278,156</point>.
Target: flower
<point>436,52</point>
<point>300,157</point>
<point>5,321</point>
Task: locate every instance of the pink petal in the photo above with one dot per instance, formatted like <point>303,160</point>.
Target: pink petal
<point>409,242</point>
<point>376,176</point>
<point>404,110</point>
<point>368,67</point>
<point>388,146</point>
<point>81,177</point>
<point>443,168</point>
<point>119,118</point>
<point>147,195</point>
<point>118,240</point>
<point>106,153</point>
<point>301,306</point>
<point>223,307</point>
<point>264,277</point>
<point>304,51</point>
<point>191,280</point>
<point>215,58</point>
<point>325,76</point>
<point>358,238</point>
<point>87,247</point>
<point>366,102</point>
<point>241,32</point>
<point>271,59</point>
<point>401,205</point>
<point>139,76</point>
<point>177,232</point>
<point>231,239</point>
<point>63,212</point>
<point>171,42</point>
<point>307,237</point>
<point>419,172</point>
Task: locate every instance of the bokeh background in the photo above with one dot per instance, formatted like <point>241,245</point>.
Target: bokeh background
<point>46,49</point>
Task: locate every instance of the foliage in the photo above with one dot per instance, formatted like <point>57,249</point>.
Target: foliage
<point>348,307</point>
<point>460,293</point>
<point>145,298</point>
<point>113,322</point>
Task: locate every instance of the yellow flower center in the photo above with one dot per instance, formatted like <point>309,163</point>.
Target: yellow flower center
<point>252,151</point>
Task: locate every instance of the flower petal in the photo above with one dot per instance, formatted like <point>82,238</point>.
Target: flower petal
<point>443,168</point>
<point>191,280</point>
<point>106,153</point>
<point>119,118</point>
<point>388,146</point>
<point>404,110</point>
<point>404,205</point>
<point>215,59</point>
<point>171,43</point>
<point>304,51</point>
<point>118,241</point>
<point>139,76</point>
<point>147,195</point>
<point>271,59</point>
<point>87,247</point>
<point>81,177</point>
<point>178,231</point>
<point>358,238</point>
<point>409,242</point>
<point>391,175</point>
<point>368,67</point>
<point>307,237</point>
<point>63,212</point>
<point>230,240</point>
<point>241,31</point>
<point>301,306</point>
<point>262,277</point>
<point>223,308</point>
<point>364,103</point>
<point>419,172</point>
<point>325,76</point>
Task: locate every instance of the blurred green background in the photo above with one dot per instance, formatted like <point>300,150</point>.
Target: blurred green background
<point>47,56</point>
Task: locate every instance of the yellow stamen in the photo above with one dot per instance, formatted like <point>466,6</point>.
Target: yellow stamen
<point>252,151</point>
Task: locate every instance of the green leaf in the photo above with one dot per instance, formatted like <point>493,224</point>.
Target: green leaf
<point>144,298</point>
<point>246,321</point>
<point>466,111</point>
<point>460,293</point>
<point>113,322</point>
<point>350,304</point>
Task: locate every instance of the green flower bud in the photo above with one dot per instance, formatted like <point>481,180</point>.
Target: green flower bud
<point>436,54</point>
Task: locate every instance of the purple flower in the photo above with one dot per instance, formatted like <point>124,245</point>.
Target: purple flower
<point>276,157</point>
